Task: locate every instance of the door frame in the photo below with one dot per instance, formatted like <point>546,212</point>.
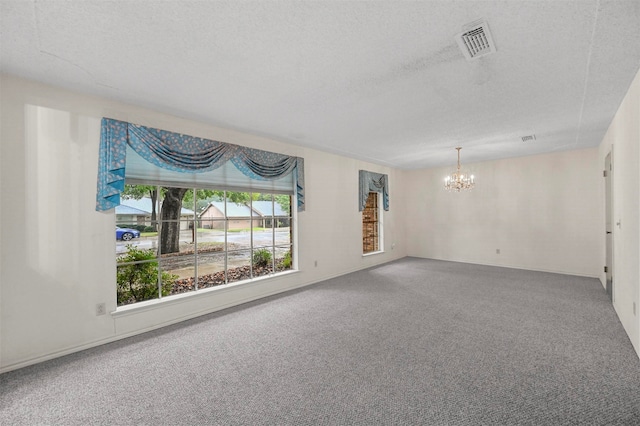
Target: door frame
<point>609,228</point>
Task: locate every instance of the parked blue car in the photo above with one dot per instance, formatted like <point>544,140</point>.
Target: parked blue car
<point>126,234</point>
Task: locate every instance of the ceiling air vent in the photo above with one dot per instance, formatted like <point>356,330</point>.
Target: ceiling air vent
<point>475,41</point>
<point>528,138</point>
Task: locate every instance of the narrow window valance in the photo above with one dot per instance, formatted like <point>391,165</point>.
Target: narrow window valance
<point>183,154</point>
<point>373,182</point>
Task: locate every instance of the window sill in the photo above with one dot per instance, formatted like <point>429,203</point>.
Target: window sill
<point>149,305</point>
<point>373,253</point>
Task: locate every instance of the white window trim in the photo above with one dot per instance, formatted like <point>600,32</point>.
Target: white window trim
<point>160,302</point>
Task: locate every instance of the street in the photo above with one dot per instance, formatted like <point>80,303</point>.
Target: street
<point>239,239</point>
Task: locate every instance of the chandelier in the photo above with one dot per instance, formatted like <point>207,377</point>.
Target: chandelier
<point>458,181</point>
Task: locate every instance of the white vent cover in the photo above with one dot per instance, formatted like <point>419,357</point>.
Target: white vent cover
<point>476,41</point>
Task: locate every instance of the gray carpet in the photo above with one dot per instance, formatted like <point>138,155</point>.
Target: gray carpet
<point>411,342</point>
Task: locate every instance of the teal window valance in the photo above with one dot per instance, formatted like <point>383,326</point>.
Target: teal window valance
<point>187,159</point>
<point>373,182</point>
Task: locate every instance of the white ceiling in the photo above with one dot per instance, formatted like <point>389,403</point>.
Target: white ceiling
<point>382,81</point>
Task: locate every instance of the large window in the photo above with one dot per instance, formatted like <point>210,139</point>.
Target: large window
<point>371,224</point>
<point>172,240</point>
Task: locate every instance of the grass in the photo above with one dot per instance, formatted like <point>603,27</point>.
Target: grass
<point>204,230</point>
<point>248,229</point>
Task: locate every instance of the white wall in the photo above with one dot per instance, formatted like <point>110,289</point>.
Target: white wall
<point>623,139</point>
<point>57,254</point>
<point>58,257</point>
<point>542,212</point>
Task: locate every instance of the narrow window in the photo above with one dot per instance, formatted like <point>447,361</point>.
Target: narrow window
<point>371,225</point>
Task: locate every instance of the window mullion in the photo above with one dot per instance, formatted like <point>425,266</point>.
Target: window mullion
<point>251,234</point>
<point>226,240</point>
<point>273,234</point>
<point>194,231</point>
<point>159,243</point>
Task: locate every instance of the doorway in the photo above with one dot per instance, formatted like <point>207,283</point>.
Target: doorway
<point>608,191</point>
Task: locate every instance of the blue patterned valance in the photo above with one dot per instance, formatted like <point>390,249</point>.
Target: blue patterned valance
<point>184,154</point>
<point>373,182</point>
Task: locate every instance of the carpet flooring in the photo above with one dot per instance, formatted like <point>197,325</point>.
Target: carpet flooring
<point>411,342</point>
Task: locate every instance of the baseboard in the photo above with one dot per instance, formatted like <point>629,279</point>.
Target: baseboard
<point>99,342</point>
<point>522,268</point>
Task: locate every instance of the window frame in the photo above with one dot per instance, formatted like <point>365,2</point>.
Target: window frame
<point>379,222</point>
<point>273,247</point>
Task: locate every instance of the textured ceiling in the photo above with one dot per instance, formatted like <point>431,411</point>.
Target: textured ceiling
<point>382,81</point>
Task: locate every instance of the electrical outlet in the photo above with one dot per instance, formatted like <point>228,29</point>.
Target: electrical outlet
<point>315,263</point>
<point>101,309</point>
<point>497,251</point>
